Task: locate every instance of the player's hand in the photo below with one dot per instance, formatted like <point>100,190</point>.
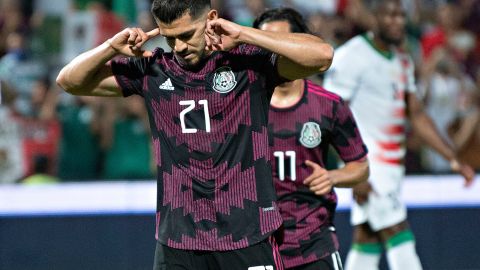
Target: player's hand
<point>222,35</point>
<point>465,170</point>
<point>320,181</point>
<point>361,191</point>
<point>129,42</point>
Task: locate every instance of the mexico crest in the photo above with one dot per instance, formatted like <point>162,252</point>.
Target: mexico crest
<point>311,135</point>
<point>224,80</point>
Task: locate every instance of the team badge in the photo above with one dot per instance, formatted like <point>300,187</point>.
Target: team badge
<point>224,80</point>
<point>311,135</point>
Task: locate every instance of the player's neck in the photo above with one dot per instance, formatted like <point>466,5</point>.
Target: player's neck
<point>379,43</point>
<point>288,94</point>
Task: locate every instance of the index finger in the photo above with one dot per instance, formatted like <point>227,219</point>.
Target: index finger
<point>153,33</point>
<point>312,164</point>
<point>468,174</point>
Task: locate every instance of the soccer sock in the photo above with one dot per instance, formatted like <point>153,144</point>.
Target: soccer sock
<point>401,252</point>
<point>364,256</point>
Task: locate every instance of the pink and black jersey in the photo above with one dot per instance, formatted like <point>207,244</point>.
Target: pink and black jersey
<point>210,137</point>
<point>304,132</point>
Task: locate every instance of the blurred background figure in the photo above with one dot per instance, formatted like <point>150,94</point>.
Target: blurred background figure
<point>246,10</point>
<point>79,153</point>
<point>40,137</point>
<point>125,139</point>
<point>21,71</point>
<point>444,88</point>
<point>464,130</point>
<point>11,155</point>
<point>40,174</point>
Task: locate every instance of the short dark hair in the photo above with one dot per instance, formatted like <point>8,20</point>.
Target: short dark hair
<point>290,15</point>
<point>167,11</point>
<point>41,163</point>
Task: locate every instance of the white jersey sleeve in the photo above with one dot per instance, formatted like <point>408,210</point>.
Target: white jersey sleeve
<point>411,85</point>
<point>344,75</point>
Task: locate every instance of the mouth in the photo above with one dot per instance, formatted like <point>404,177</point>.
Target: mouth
<point>183,57</point>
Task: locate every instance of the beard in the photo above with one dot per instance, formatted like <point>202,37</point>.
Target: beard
<point>395,41</point>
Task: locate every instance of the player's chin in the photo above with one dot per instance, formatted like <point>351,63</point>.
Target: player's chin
<point>396,38</point>
<point>192,62</point>
<point>188,61</point>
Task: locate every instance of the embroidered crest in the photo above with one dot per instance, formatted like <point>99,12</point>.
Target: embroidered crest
<point>311,135</point>
<point>224,80</point>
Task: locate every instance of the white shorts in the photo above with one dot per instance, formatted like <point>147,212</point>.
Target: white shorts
<point>384,207</point>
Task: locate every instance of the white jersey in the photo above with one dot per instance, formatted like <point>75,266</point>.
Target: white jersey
<point>375,84</point>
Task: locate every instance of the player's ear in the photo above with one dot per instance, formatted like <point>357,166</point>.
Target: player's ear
<point>212,14</point>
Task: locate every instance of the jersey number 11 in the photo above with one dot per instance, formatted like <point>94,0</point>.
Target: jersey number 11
<point>280,157</point>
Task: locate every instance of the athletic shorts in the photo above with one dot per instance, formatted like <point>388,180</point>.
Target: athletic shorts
<point>384,207</point>
<point>261,256</point>
<point>332,262</point>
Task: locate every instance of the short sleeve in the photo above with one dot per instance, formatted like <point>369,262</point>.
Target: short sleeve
<point>129,73</point>
<point>411,85</point>
<point>344,74</point>
<point>347,140</point>
<point>264,61</point>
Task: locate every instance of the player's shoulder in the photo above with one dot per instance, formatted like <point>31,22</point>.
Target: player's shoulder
<point>351,55</point>
<point>157,55</point>
<point>353,45</point>
<point>321,94</point>
<point>404,56</point>
<point>246,49</point>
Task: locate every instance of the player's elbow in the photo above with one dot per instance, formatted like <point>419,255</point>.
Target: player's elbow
<point>324,57</point>
<point>364,171</point>
<point>361,170</point>
<point>63,82</point>
<point>66,84</point>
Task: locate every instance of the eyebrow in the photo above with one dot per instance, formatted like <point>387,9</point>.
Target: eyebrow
<point>184,34</point>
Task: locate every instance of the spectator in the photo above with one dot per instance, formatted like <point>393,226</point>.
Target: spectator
<point>11,166</point>
<point>448,32</point>
<point>465,131</point>
<point>40,175</point>
<point>11,20</point>
<point>20,71</point>
<point>80,128</point>
<point>246,11</point>
<point>444,84</point>
<point>125,134</point>
<point>108,23</point>
<point>39,137</point>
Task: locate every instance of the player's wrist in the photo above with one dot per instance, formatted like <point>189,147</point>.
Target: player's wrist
<point>109,45</point>
<point>333,180</point>
<point>246,35</point>
<point>454,164</point>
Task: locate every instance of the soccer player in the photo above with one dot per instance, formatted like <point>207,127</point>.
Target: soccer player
<point>304,121</point>
<point>208,112</point>
<point>376,77</point>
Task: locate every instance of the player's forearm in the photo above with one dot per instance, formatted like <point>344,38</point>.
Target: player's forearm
<point>79,74</point>
<point>303,49</point>
<point>428,132</point>
<point>351,174</point>
<point>466,130</point>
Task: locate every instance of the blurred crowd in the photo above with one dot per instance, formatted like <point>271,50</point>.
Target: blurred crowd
<point>47,135</point>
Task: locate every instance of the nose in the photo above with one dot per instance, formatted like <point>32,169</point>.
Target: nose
<point>180,46</point>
